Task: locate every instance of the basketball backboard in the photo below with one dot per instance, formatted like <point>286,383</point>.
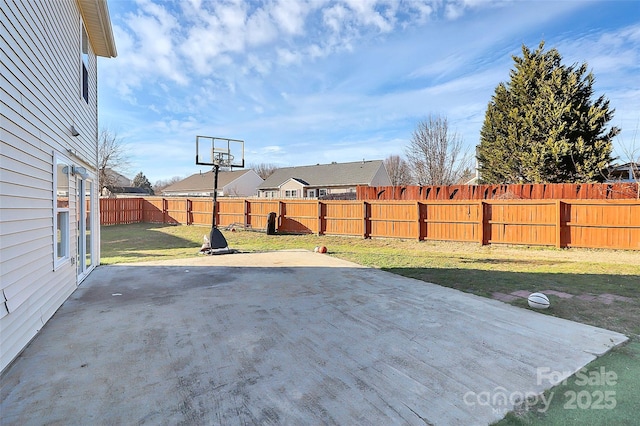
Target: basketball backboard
<point>224,152</point>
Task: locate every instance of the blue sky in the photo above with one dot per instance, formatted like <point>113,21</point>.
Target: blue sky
<point>306,82</point>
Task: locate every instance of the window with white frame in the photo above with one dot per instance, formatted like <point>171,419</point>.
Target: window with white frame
<point>291,193</point>
<point>311,193</point>
<point>85,65</point>
<point>61,210</point>
<point>322,192</point>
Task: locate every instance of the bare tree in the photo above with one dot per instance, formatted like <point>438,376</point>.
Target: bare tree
<point>264,170</point>
<point>112,155</point>
<point>398,169</point>
<point>631,162</point>
<point>436,155</point>
<point>163,183</point>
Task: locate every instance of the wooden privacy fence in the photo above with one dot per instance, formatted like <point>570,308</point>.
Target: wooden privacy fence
<point>534,191</point>
<point>613,224</point>
<point>119,211</point>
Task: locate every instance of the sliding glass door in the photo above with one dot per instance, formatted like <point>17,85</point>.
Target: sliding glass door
<point>85,220</point>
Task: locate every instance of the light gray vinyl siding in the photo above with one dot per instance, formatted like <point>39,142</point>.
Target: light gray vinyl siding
<point>244,186</point>
<point>40,99</point>
<point>381,178</point>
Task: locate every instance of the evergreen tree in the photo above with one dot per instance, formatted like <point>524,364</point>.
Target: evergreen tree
<point>543,127</point>
<point>141,181</point>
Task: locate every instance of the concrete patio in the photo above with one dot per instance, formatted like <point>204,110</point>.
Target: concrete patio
<point>287,337</point>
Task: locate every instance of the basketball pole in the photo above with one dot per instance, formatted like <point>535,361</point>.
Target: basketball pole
<point>216,168</point>
<point>216,239</point>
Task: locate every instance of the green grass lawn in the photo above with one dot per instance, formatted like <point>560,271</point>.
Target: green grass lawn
<point>604,393</point>
<point>472,268</point>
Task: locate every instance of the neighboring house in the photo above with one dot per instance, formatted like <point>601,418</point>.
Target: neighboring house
<point>49,204</point>
<point>116,179</point>
<point>118,185</point>
<point>238,183</point>
<point>323,180</point>
<point>629,172</point>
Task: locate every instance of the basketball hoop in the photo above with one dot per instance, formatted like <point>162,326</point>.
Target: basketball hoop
<point>218,152</point>
<point>222,152</point>
<point>222,159</point>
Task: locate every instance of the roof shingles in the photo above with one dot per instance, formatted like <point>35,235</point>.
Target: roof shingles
<point>203,182</point>
<point>334,174</point>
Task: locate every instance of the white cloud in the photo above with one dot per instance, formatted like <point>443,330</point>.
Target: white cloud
<point>422,12</point>
<point>146,50</point>
<point>156,34</point>
<point>611,52</point>
<point>174,126</point>
<point>287,57</point>
<point>314,51</point>
<point>260,28</point>
<point>255,63</point>
<point>334,17</point>
<point>454,9</point>
<point>272,149</point>
<point>366,13</point>
<point>217,34</point>
<point>614,59</point>
<point>290,15</point>
<point>124,83</point>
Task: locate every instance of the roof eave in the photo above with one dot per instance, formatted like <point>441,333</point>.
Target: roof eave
<point>95,14</point>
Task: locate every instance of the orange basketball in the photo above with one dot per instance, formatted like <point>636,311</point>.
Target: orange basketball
<point>322,249</point>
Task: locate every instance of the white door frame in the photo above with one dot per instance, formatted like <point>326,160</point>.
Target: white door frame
<point>85,256</point>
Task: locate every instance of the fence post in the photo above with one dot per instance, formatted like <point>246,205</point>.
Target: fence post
<point>320,218</point>
<point>481,223</point>
<point>280,213</point>
<point>165,208</point>
<point>366,223</point>
<point>246,213</point>
<point>558,224</point>
<point>188,208</point>
<point>419,220</point>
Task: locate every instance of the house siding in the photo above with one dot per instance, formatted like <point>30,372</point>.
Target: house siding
<point>41,98</point>
<point>292,185</point>
<point>244,186</point>
<point>381,178</point>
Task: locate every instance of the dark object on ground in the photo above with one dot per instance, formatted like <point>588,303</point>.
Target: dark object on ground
<point>271,224</point>
<point>217,240</point>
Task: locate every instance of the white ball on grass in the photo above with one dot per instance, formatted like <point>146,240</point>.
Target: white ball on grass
<point>538,301</point>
